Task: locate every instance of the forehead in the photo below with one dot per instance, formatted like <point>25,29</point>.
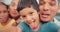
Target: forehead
<point>48,0</point>
<point>2,7</point>
<point>27,10</point>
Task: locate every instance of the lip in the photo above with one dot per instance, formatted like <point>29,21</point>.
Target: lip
<point>45,15</point>
<point>29,22</point>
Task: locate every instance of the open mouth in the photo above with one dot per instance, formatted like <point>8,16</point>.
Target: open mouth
<point>32,24</point>
<point>32,21</point>
<point>45,15</point>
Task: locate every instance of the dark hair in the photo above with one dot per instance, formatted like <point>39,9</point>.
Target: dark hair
<point>4,4</point>
<point>28,3</point>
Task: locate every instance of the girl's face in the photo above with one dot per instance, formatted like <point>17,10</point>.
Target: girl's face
<point>3,13</point>
<point>30,16</point>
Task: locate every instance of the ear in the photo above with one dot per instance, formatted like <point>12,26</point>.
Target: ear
<point>59,8</point>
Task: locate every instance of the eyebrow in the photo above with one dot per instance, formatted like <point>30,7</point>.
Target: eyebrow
<point>53,0</point>
<point>40,0</point>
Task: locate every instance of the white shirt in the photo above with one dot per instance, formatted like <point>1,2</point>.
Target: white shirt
<point>56,21</point>
<point>7,2</point>
<point>37,1</point>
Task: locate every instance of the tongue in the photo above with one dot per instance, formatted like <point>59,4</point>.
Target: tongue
<point>32,26</point>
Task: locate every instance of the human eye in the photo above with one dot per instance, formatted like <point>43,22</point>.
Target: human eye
<point>53,3</point>
<point>31,13</point>
<point>23,16</point>
<point>5,11</point>
<point>42,3</point>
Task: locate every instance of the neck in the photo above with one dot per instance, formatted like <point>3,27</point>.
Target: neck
<point>52,19</point>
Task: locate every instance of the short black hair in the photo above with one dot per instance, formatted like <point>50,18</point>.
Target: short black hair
<point>28,3</point>
<point>4,4</point>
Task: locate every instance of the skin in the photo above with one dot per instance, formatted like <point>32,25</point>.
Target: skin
<point>4,19</point>
<point>1,0</point>
<point>12,9</point>
<point>12,29</point>
<point>13,12</point>
<point>48,9</point>
<point>3,14</point>
<point>30,16</point>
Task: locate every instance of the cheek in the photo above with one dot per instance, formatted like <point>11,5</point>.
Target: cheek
<point>14,13</point>
<point>25,20</point>
<point>6,15</point>
<point>40,7</point>
<point>53,11</point>
<point>35,16</point>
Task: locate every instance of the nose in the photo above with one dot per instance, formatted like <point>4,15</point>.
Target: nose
<point>46,7</point>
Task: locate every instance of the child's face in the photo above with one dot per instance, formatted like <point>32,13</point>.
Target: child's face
<point>30,16</point>
<point>3,13</point>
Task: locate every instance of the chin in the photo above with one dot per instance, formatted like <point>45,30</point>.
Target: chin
<point>45,20</point>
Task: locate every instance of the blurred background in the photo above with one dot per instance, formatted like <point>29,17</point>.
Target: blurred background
<point>8,2</point>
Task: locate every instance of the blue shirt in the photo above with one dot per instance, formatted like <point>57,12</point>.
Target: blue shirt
<point>44,27</point>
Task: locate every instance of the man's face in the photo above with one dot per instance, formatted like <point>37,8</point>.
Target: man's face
<point>3,13</point>
<point>30,16</point>
<point>48,9</point>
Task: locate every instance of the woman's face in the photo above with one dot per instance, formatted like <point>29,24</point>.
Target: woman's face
<point>12,9</point>
<point>3,13</point>
<point>30,16</point>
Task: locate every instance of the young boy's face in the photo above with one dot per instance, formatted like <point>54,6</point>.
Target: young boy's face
<point>3,13</point>
<point>30,16</point>
<point>48,9</point>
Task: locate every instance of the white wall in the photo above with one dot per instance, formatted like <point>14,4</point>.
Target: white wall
<point>37,1</point>
<point>7,1</point>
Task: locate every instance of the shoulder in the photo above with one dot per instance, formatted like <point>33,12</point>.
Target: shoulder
<point>56,21</point>
<point>23,26</point>
<point>51,26</point>
<point>12,29</point>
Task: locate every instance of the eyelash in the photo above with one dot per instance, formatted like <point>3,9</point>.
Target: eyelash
<point>42,3</point>
<point>29,13</point>
<point>50,4</point>
<point>23,16</point>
